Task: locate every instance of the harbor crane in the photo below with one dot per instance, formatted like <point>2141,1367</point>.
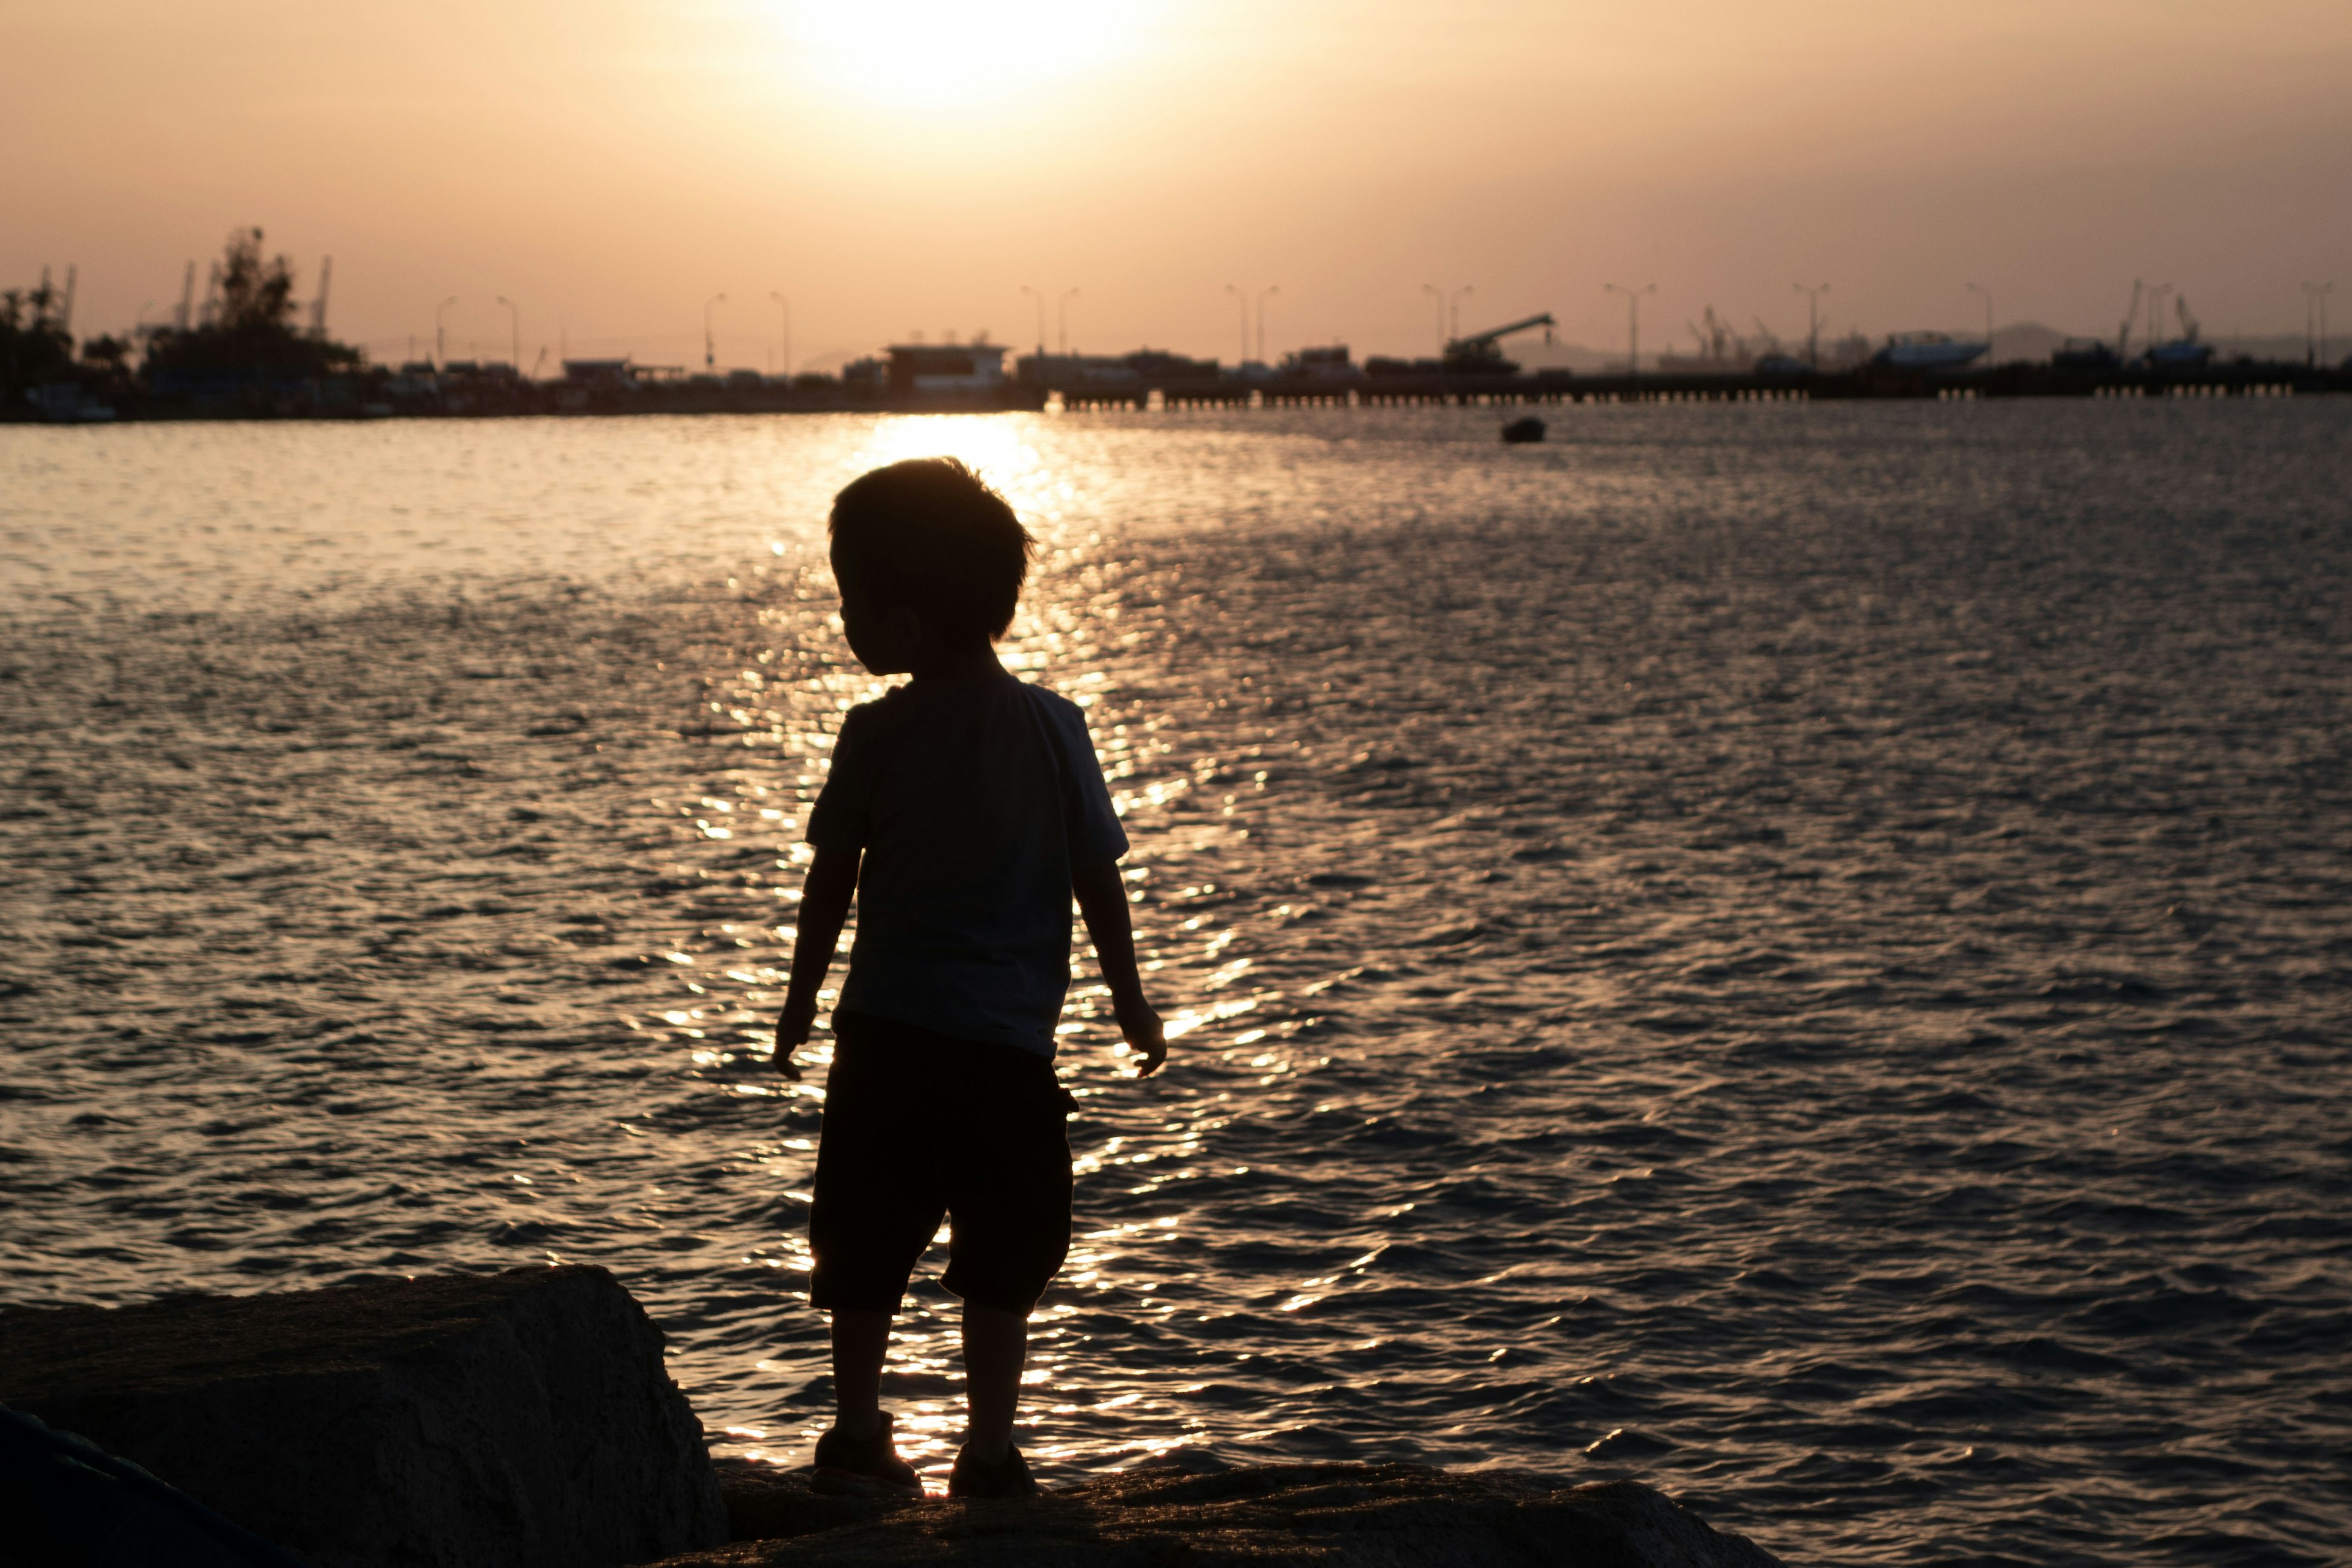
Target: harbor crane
<point>1480,354</point>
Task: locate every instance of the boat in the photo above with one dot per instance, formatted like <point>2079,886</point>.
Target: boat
<point>1928,351</point>
<point>1523,432</point>
<point>66,403</point>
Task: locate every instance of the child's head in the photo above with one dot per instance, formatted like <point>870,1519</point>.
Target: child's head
<point>924,550</point>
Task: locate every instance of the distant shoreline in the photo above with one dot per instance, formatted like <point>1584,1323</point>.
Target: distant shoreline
<point>467,398</point>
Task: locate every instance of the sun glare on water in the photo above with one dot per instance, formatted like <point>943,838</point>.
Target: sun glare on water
<point>939,55</point>
<point>999,447</point>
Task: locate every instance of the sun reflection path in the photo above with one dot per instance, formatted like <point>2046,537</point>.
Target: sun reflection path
<point>1001,449</point>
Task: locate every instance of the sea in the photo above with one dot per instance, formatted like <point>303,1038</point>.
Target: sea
<point>1798,954</point>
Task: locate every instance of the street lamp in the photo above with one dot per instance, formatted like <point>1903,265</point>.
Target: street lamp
<point>514,326</point>
<point>1981,288</point>
<point>710,344</point>
<point>1632,322</point>
<point>1453,312</point>
<point>784,320</point>
<point>440,332</point>
<point>1237,294</point>
<point>1062,318</point>
<point>1812,293</point>
<point>2315,307</point>
<point>1434,292</point>
<point>1040,297</point>
<point>1263,296</point>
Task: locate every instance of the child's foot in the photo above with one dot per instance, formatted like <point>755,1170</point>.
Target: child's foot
<point>976,1477</point>
<point>868,1467</point>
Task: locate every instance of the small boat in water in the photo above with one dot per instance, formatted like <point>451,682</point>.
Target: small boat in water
<point>1523,432</point>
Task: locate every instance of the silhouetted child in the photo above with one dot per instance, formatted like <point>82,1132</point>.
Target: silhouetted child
<point>964,810</point>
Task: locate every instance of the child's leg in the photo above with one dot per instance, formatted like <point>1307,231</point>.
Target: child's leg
<point>861,1337</point>
<point>995,1347</point>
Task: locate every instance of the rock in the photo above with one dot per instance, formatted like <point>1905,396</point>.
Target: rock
<point>64,1501</point>
<point>515,1420</point>
<point>1257,1516</point>
<point>768,1502</point>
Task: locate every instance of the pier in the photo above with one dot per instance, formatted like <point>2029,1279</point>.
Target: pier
<point>462,392</point>
<point>2019,380</point>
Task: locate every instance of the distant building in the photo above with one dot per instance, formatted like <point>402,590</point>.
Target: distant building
<point>1332,363</point>
<point>1143,368</point>
<point>1159,366</point>
<point>608,373</point>
<point>1061,371</point>
<point>919,369</point>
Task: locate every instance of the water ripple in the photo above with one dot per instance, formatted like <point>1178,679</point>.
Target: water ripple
<point>1796,953</point>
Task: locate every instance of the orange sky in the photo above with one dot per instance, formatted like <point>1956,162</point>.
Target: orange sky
<point>903,165</point>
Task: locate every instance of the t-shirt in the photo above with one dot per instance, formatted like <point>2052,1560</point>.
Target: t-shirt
<point>970,797</point>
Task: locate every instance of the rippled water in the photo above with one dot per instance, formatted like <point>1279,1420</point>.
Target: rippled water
<point>1798,953</point>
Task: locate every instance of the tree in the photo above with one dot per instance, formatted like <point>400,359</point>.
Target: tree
<point>109,352</point>
<point>257,296</point>
<point>35,346</point>
<point>251,338</point>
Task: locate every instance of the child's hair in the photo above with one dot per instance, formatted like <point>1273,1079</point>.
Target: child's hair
<point>929,533</point>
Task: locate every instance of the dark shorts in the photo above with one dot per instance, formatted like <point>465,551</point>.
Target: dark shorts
<point>920,1125</point>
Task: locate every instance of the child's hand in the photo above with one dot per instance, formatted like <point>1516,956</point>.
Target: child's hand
<point>1139,1026</point>
<point>792,1028</point>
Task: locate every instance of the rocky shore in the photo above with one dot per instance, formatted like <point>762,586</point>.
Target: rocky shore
<point>525,1420</point>
<point>1255,1516</point>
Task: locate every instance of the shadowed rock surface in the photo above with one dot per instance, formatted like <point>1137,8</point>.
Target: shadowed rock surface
<point>1261,1515</point>
<point>515,1420</point>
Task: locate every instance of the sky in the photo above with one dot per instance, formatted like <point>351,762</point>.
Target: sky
<point>894,167</point>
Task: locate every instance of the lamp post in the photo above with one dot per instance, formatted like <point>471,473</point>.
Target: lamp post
<point>1434,292</point>
<point>2314,322</point>
<point>1812,293</point>
<point>440,333</point>
<point>514,327</point>
<point>1981,288</point>
<point>1453,312</point>
<point>1237,294</point>
<point>709,343</point>
<point>1632,322</point>
<point>1040,297</point>
<point>1268,293</point>
<point>784,321</point>
<point>1062,319</point>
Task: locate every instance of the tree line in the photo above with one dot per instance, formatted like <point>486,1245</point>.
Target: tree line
<point>246,333</point>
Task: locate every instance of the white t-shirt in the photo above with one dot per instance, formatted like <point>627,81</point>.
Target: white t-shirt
<point>971,798</point>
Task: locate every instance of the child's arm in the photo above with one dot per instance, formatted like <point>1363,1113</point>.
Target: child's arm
<point>1102,900</point>
<point>824,904</point>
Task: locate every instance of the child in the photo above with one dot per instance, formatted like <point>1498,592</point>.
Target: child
<point>964,810</point>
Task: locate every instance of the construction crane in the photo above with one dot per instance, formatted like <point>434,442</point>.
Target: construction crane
<point>1480,354</point>
<point>2123,333</point>
<point>1717,340</point>
<point>318,305</point>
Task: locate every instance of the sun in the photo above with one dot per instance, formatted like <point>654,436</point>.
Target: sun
<point>940,56</point>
